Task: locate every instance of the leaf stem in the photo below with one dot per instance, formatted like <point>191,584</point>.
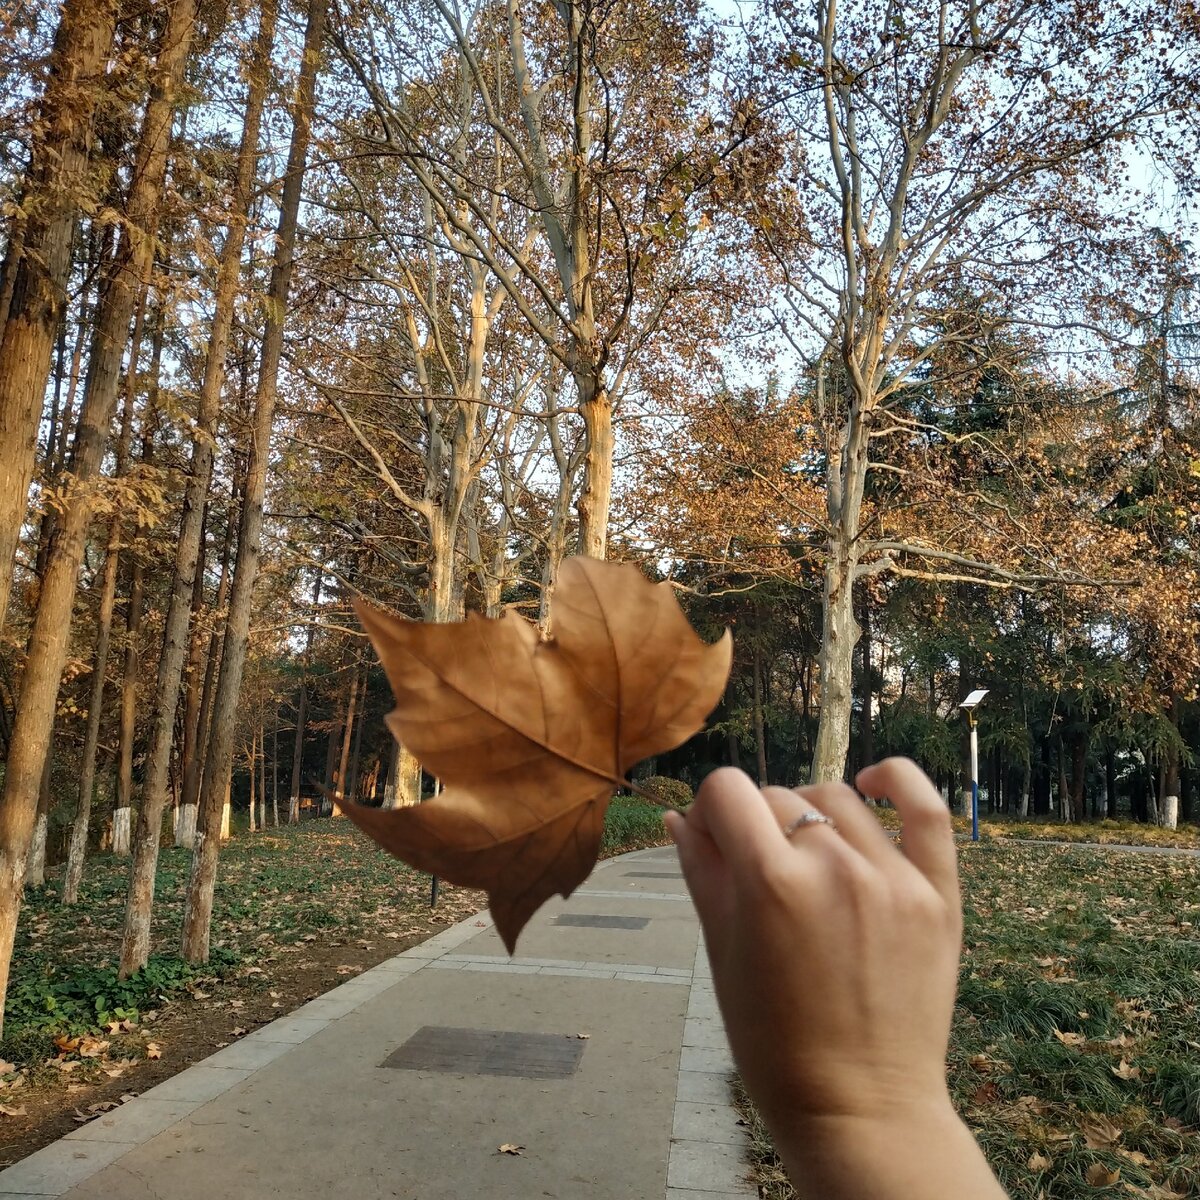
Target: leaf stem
<point>647,796</point>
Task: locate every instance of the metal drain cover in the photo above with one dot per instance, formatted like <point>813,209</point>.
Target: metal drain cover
<point>653,875</point>
<point>599,921</point>
<point>488,1052</point>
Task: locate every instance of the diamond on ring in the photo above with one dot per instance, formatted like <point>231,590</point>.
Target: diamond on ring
<point>812,817</point>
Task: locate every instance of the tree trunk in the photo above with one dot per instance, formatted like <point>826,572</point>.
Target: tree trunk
<point>198,904</point>
<point>194,769</point>
<point>49,640</point>
<point>135,943</point>
<point>839,636</point>
<point>846,475</point>
<point>339,787</point>
<point>189,757</point>
<point>760,740</point>
<point>356,750</point>
<point>275,770</point>
<point>251,764</point>
<point>262,778</point>
<point>595,498</point>
<point>302,712</point>
<point>35,873</point>
<point>1110,782</point>
<point>38,262</point>
<point>403,786</point>
<point>77,850</point>
<point>1171,766</point>
<point>866,717</point>
<point>226,794</point>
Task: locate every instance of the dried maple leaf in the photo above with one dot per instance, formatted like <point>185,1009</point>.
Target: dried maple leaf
<point>510,1148</point>
<point>1070,1039</point>
<point>1098,1175</point>
<point>529,736</point>
<point>1099,1132</point>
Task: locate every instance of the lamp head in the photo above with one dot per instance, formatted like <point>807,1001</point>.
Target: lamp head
<point>973,699</point>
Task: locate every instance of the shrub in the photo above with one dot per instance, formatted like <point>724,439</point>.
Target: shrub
<point>632,824</point>
<point>674,792</point>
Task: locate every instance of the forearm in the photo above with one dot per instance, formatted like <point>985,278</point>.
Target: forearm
<point>905,1156</point>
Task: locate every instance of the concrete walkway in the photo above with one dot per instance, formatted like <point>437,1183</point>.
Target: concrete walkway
<point>405,1081</point>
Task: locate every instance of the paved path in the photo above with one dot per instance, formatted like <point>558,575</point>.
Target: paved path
<point>309,1106</point>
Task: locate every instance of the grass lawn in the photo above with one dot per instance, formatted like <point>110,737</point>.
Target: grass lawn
<point>1076,1049</point>
<point>297,911</point>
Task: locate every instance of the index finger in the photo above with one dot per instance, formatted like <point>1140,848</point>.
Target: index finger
<point>927,835</point>
<point>732,811</point>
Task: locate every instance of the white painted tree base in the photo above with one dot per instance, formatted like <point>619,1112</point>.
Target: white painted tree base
<point>35,868</point>
<point>185,826</point>
<point>1170,812</point>
<point>121,830</point>
<point>225,819</point>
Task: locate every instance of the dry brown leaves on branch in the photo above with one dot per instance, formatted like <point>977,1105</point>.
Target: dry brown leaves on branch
<point>530,737</point>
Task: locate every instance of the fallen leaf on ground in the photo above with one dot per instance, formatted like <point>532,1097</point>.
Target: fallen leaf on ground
<point>1134,1156</point>
<point>91,1047</point>
<point>10,1110</point>
<point>510,1148</point>
<point>1099,1133</point>
<point>1070,1039</point>
<point>583,1037</point>
<point>1125,1071</point>
<point>1098,1175</point>
<point>7,1068</point>
<point>529,736</point>
<point>153,1050</point>
<point>1038,1162</point>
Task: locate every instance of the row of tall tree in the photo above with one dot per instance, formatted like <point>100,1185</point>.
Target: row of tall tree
<point>860,321</point>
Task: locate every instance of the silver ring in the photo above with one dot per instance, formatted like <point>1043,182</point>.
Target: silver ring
<point>812,817</point>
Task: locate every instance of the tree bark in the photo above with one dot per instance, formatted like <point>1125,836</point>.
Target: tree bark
<point>35,873</point>
<point>840,633</point>
<point>188,756</point>
<point>846,476</point>
<point>866,719</point>
<point>275,770</point>
<point>302,711</point>
<point>595,498</point>
<point>356,751</point>
<point>760,737</point>
<point>250,763</point>
<point>194,770</point>
<point>77,851</point>
<point>339,787</point>
<point>1110,782</point>
<point>49,641</point>
<point>135,943</point>
<point>198,904</point>
<point>38,262</point>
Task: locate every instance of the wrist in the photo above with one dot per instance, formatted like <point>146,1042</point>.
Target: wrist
<point>920,1151</point>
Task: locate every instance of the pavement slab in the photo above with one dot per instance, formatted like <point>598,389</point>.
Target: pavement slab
<point>571,1050</point>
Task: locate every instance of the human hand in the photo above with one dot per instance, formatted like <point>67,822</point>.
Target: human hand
<point>834,952</point>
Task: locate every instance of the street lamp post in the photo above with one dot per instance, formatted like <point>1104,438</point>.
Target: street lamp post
<point>969,706</point>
